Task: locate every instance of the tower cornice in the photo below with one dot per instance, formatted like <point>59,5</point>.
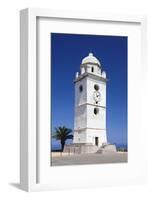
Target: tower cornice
<point>93,76</point>
<point>89,63</point>
<point>81,129</point>
<point>90,104</point>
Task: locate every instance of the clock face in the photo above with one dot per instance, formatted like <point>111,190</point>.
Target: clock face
<point>96,96</point>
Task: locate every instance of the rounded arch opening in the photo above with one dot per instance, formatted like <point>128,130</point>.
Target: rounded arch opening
<point>96,87</point>
<point>96,111</point>
<point>80,88</point>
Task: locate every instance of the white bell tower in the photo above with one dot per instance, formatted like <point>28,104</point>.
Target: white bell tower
<point>90,103</point>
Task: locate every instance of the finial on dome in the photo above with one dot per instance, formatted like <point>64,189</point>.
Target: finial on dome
<point>90,54</point>
<point>91,59</point>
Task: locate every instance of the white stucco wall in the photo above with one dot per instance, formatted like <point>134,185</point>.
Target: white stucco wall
<point>101,134</point>
<point>80,137</point>
<point>80,120</point>
<point>80,97</point>
<point>88,136</point>
<point>98,120</point>
<point>88,125</point>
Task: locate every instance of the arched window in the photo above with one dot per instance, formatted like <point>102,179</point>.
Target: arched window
<point>96,111</point>
<point>92,69</point>
<point>80,88</point>
<point>96,87</point>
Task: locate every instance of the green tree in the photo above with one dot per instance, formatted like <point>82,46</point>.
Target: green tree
<point>62,134</point>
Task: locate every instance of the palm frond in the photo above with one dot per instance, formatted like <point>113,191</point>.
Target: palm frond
<point>62,133</point>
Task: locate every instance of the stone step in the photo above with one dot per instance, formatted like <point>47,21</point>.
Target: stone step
<point>109,148</point>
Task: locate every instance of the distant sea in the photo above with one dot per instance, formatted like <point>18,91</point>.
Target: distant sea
<point>57,146</point>
<point>122,146</point>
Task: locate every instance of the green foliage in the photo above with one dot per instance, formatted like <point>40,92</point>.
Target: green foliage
<point>62,134</point>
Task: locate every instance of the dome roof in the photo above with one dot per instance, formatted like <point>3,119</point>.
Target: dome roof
<point>90,59</point>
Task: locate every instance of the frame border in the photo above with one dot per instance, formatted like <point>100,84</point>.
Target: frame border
<point>29,82</point>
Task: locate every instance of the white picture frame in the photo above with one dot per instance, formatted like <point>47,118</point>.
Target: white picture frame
<point>34,175</point>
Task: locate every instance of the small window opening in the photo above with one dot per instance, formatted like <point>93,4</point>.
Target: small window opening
<point>96,111</point>
<point>96,87</point>
<point>81,88</point>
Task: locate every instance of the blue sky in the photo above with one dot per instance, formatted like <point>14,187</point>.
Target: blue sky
<point>67,52</point>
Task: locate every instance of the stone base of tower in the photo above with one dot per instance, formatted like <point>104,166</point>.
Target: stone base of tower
<point>80,148</point>
<point>107,148</point>
<point>83,148</point>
